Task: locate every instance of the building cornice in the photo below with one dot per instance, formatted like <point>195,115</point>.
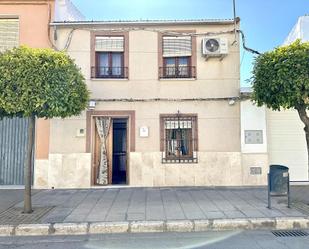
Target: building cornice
<point>148,22</point>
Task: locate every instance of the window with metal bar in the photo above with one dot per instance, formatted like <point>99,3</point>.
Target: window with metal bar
<point>110,65</point>
<point>179,138</point>
<point>177,52</point>
<point>177,67</point>
<point>109,53</point>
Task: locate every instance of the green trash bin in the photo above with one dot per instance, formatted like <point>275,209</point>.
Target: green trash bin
<point>278,182</point>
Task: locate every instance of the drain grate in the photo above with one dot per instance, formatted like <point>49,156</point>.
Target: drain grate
<point>290,233</point>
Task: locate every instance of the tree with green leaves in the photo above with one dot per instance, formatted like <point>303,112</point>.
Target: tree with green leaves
<point>281,81</point>
<point>39,83</point>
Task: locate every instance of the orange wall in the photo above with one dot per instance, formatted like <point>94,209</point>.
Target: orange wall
<point>34,17</point>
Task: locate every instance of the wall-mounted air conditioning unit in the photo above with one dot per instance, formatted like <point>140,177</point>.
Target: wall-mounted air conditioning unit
<point>215,47</point>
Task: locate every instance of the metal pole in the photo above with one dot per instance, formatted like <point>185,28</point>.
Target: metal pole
<point>234,13</point>
<point>268,191</point>
<point>289,204</point>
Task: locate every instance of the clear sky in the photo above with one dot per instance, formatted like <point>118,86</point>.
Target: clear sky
<point>266,23</point>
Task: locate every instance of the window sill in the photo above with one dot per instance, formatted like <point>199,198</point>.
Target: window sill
<point>178,162</point>
<point>108,79</point>
<point>177,79</point>
<point>188,160</point>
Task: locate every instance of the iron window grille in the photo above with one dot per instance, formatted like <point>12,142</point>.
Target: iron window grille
<point>109,72</point>
<point>179,139</point>
<point>167,72</point>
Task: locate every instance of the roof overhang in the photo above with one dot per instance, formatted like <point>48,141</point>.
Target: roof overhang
<point>148,22</point>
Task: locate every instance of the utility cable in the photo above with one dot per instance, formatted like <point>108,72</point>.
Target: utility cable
<point>165,32</point>
<point>244,44</point>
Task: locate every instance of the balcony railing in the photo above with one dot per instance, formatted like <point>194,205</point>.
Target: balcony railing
<point>109,72</point>
<point>172,72</point>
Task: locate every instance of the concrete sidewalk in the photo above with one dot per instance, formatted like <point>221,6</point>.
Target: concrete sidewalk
<point>159,208</point>
<point>10,197</point>
<point>128,204</point>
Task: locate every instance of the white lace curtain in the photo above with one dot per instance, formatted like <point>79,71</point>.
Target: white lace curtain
<point>103,126</point>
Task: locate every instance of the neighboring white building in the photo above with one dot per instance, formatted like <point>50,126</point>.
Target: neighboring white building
<point>66,11</point>
<point>299,31</point>
<point>283,134</point>
<point>280,134</point>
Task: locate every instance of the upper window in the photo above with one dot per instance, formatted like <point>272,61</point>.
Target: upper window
<point>109,53</point>
<point>9,33</point>
<point>177,52</point>
<point>179,138</point>
<point>176,67</point>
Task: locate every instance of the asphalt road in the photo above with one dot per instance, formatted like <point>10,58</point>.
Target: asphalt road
<point>209,240</point>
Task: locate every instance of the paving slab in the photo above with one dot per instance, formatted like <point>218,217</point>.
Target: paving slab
<point>10,197</point>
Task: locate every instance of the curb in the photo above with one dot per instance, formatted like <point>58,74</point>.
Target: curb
<point>85,228</point>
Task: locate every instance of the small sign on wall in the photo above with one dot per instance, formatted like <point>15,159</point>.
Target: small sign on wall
<point>255,170</point>
<point>143,131</point>
<point>80,132</point>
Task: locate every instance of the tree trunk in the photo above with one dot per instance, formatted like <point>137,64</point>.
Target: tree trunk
<point>307,140</point>
<point>305,119</point>
<point>28,166</point>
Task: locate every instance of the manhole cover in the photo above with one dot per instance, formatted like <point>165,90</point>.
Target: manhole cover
<point>14,215</point>
<point>289,233</point>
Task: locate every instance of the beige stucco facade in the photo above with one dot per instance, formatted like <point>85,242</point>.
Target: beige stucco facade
<point>220,158</point>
